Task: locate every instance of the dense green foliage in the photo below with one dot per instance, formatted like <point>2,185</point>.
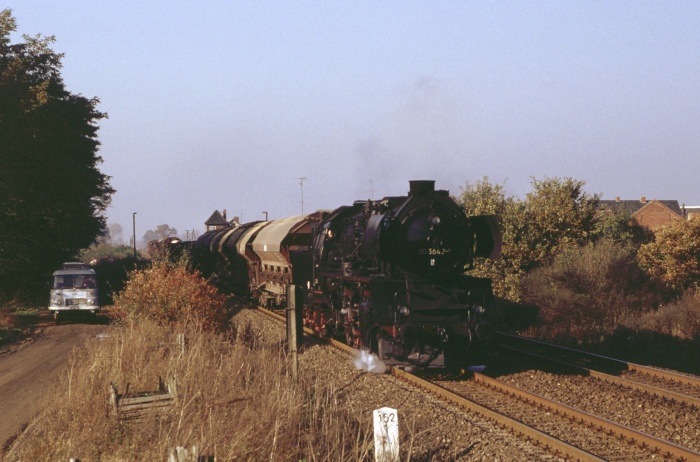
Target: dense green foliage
<point>621,228</point>
<point>52,194</point>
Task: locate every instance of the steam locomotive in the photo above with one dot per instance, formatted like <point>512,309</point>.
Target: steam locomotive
<point>385,275</point>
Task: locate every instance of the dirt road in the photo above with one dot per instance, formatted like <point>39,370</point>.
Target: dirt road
<point>28,369</point>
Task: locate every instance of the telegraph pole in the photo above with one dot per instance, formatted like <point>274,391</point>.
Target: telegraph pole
<point>301,183</point>
<point>134,221</point>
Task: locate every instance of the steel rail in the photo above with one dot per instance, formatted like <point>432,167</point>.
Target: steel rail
<point>634,436</point>
<point>662,392</point>
<point>660,373</point>
<point>547,441</point>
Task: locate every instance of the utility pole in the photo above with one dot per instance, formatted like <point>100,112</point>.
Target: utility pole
<point>301,183</point>
<point>134,222</point>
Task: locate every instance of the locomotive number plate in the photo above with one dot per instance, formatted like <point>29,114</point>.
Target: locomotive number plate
<point>434,251</point>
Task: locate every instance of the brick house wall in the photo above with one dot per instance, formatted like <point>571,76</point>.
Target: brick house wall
<point>655,215</point>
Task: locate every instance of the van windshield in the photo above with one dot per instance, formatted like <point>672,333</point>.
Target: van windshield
<point>74,281</point>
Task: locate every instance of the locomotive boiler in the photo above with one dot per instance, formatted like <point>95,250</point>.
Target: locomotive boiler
<point>384,275</point>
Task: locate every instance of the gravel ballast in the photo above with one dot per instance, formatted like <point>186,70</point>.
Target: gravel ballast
<point>434,429</point>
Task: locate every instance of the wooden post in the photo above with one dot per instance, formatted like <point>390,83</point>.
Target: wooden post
<point>182,341</point>
<point>386,435</point>
<point>180,454</point>
<point>113,397</point>
<point>294,333</point>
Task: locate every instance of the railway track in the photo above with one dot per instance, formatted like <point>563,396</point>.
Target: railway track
<point>598,438</point>
<point>665,384</point>
<point>562,430</point>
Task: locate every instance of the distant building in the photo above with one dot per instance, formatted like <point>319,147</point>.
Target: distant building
<point>651,214</point>
<point>217,221</point>
<point>691,211</point>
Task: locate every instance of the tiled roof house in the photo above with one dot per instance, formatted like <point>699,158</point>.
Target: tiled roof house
<point>651,214</point>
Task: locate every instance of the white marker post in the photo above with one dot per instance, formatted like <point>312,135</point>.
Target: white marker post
<point>386,435</point>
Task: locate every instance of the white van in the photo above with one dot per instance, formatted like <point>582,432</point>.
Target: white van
<point>74,288</point>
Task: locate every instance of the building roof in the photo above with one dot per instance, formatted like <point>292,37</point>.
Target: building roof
<point>216,219</point>
<point>633,206</point>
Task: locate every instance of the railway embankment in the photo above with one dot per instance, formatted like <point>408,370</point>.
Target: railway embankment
<point>236,399</point>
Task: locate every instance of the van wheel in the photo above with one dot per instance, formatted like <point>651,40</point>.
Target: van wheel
<point>57,317</point>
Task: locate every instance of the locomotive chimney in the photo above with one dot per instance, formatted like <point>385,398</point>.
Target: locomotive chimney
<point>419,186</point>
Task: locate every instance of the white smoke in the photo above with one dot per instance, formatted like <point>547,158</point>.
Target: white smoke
<point>369,362</point>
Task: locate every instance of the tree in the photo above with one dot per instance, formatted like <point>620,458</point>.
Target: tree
<point>621,228</point>
<point>160,233</point>
<point>52,194</point>
<point>555,216</point>
<point>483,198</point>
<point>116,233</point>
<point>673,258</point>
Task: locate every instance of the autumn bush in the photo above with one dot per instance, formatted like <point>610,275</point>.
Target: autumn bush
<point>680,319</point>
<point>170,294</point>
<point>586,291</point>
<point>673,258</point>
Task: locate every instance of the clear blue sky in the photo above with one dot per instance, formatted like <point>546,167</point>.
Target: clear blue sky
<point>225,104</point>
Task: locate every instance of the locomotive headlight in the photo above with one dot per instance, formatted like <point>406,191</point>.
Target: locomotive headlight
<point>404,310</point>
<point>435,220</point>
<point>478,309</point>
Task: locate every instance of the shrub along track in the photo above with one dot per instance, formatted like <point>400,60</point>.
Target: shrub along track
<point>563,430</point>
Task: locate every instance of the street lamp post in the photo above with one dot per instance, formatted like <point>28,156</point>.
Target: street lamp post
<point>134,222</point>
<point>265,215</point>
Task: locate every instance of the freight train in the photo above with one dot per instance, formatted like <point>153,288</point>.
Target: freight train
<point>384,275</point>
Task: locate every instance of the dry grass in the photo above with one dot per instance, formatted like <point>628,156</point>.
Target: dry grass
<point>233,402</point>
<point>680,319</point>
